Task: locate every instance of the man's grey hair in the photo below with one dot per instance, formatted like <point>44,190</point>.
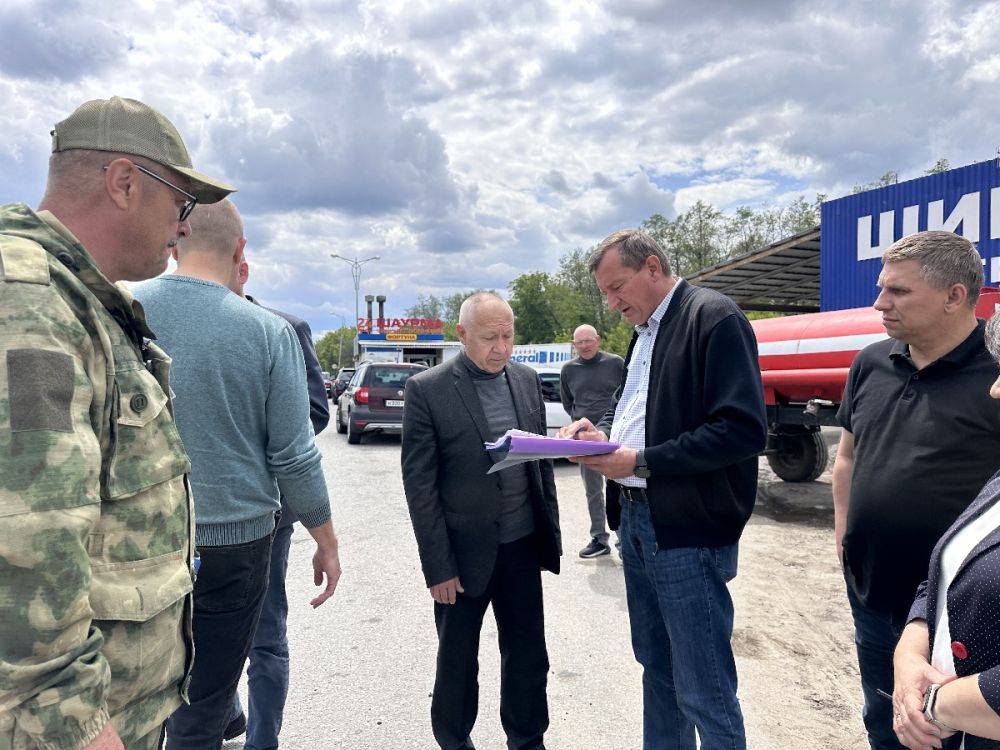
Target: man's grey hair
<point>215,228</point>
<point>472,303</point>
<point>993,336</point>
<point>75,175</point>
<point>945,259</point>
<point>634,246</point>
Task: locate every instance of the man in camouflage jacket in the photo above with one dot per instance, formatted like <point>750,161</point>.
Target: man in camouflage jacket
<point>96,526</point>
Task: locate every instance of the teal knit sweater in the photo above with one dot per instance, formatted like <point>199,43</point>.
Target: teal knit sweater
<point>242,408</point>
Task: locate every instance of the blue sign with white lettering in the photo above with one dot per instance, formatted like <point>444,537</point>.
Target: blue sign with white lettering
<point>542,355</point>
<point>857,229</point>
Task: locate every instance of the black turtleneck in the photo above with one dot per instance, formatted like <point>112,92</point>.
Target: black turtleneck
<point>493,389</point>
<point>477,372</point>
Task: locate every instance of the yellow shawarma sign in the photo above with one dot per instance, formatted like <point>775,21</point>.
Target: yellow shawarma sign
<point>401,337</point>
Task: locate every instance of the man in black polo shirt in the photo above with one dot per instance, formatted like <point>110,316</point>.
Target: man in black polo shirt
<point>920,438</point>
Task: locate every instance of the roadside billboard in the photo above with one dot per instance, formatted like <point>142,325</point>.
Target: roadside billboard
<point>856,229</point>
<point>543,356</point>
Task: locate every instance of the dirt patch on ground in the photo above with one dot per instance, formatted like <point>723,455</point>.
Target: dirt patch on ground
<point>794,638</point>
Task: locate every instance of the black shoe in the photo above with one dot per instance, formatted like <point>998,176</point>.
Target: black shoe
<point>595,549</point>
<point>236,727</point>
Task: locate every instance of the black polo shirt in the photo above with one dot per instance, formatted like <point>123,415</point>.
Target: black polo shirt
<point>925,442</point>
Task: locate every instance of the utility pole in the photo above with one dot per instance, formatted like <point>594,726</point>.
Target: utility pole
<point>355,265</point>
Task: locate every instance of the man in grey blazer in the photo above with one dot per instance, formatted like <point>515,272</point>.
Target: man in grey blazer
<point>483,539</point>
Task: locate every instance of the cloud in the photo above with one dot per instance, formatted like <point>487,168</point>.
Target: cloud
<point>679,13</point>
<point>724,193</point>
<point>556,180</point>
<point>57,40</point>
<point>612,205</point>
<point>334,137</point>
<point>468,141</point>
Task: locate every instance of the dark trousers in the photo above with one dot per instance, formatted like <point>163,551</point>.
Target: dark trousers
<point>876,635</point>
<point>267,676</point>
<point>227,600</point>
<point>593,484</point>
<point>515,591</point>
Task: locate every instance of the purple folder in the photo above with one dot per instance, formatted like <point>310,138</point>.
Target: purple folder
<point>516,447</point>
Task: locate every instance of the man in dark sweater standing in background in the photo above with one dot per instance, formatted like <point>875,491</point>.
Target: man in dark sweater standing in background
<point>587,384</point>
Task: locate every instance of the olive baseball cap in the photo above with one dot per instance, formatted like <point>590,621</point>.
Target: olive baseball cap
<point>127,126</point>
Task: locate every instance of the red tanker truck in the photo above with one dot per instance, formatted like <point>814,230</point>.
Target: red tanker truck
<point>804,360</point>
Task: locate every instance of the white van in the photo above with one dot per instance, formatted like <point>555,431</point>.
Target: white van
<point>555,415</point>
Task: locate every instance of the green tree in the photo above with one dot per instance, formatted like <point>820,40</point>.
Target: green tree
<point>427,307</point>
<point>667,233</point>
<point>801,215</point>
<point>568,309</point>
<point>748,230</point>
<point>889,178</point>
<point>452,304</point>
<point>335,349</point>
<point>941,165</point>
<point>698,234</point>
<point>536,320</point>
<point>617,339</point>
<point>574,274</point>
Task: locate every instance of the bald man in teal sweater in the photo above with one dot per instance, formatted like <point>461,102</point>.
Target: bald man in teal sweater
<point>242,411</point>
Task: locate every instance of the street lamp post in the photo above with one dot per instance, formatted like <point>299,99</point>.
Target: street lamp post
<point>355,265</point>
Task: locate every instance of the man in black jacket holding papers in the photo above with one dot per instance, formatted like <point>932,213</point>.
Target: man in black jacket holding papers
<point>690,420</point>
<point>483,538</point>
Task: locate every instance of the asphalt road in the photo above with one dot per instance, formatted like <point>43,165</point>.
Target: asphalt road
<point>362,665</point>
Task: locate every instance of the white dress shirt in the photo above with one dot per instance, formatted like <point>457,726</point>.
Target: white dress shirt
<point>629,425</point>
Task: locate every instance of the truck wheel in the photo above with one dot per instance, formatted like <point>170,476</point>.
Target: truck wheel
<point>353,434</point>
<point>801,457</point>
<point>341,428</point>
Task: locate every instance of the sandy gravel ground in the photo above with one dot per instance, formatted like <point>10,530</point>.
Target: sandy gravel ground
<point>363,664</point>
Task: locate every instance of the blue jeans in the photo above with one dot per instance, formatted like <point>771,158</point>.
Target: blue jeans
<point>267,676</point>
<point>876,636</point>
<point>681,616</point>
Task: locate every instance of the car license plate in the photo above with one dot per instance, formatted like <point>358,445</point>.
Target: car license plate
<point>394,403</point>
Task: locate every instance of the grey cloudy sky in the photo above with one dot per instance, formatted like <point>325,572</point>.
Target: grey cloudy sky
<point>466,142</point>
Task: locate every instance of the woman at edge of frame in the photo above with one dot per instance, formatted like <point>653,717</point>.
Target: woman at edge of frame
<point>947,662</point>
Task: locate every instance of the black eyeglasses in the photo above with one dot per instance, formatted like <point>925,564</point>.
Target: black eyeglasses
<point>187,208</point>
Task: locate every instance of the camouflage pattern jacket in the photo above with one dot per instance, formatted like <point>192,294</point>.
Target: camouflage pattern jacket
<point>96,519</point>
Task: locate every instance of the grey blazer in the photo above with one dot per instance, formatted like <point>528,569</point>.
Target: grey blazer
<point>454,505</point>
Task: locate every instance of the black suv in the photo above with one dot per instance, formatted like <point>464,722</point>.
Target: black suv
<point>340,383</point>
<point>373,401</point>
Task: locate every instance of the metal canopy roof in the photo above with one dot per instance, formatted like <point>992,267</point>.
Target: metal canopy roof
<point>782,277</point>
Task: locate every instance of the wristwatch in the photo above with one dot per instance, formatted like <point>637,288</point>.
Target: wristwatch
<point>930,699</point>
<point>641,469</point>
